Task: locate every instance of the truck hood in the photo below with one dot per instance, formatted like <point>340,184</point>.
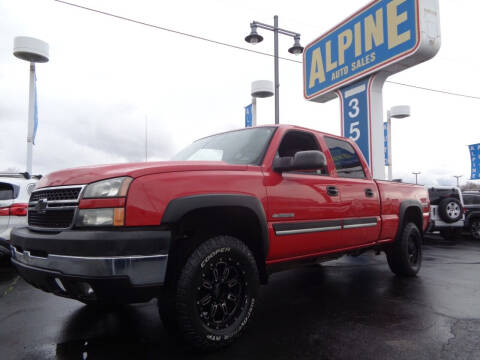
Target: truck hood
<point>89,174</point>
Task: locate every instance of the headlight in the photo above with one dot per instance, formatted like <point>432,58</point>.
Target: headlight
<point>101,217</point>
<point>108,188</point>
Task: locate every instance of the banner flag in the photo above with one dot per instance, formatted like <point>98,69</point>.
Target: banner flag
<point>475,158</point>
<point>248,116</point>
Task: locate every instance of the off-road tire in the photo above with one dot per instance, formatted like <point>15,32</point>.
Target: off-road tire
<point>475,228</point>
<point>450,210</point>
<point>404,256</point>
<point>215,294</point>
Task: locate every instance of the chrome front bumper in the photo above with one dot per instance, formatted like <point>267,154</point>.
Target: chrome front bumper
<point>141,270</point>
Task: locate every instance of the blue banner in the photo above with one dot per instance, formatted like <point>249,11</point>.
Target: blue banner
<point>248,116</point>
<point>355,115</point>
<point>385,142</point>
<point>475,158</point>
<point>380,34</point>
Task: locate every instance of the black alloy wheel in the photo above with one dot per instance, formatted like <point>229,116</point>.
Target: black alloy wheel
<point>221,293</point>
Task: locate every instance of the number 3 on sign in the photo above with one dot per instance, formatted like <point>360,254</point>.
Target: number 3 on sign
<point>354,105</point>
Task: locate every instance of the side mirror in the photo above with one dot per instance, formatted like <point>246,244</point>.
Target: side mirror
<point>309,160</point>
<point>303,160</point>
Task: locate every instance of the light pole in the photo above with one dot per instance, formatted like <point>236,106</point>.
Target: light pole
<point>416,176</point>
<point>397,112</point>
<point>458,179</point>
<point>296,49</point>
<point>260,89</point>
<point>31,50</point>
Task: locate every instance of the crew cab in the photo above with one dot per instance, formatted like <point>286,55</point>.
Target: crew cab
<point>202,231</point>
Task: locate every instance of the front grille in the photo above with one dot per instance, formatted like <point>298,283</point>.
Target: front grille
<point>56,194</point>
<point>58,211</point>
<point>51,218</point>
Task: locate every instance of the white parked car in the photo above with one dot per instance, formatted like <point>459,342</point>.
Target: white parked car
<point>15,191</point>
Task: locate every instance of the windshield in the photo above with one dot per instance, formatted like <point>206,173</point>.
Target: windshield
<point>236,147</point>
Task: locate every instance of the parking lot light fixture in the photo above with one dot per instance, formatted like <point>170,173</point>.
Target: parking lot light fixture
<point>458,179</point>
<point>260,89</point>
<point>34,51</point>
<point>255,38</point>
<point>416,173</point>
<point>296,49</point>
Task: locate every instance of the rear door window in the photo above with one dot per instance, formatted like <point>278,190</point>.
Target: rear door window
<point>6,192</point>
<point>347,163</point>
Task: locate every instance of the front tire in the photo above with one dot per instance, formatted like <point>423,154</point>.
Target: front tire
<point>405,254</point>
<point>215,295</point>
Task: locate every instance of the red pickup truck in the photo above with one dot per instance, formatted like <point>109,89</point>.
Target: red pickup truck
<point>201,232</point>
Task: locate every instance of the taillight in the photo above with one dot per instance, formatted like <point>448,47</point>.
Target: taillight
<point>18,209</point>
<point>5,211</point>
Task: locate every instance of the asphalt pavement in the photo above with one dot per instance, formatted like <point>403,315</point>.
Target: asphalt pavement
<point>352,308</point>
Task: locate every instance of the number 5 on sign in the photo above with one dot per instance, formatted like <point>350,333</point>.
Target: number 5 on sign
<point>355,115</point>
<point>354,131</point>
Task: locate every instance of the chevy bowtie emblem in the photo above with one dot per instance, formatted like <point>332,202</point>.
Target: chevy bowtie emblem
<point>41,206</point>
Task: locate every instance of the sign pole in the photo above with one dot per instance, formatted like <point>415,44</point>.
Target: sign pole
<point>31,114</point>
<point>389,144</point>
<point>254,111</point>
<point>277,85</point>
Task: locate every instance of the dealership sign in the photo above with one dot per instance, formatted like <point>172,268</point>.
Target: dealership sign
<point>384,37</point>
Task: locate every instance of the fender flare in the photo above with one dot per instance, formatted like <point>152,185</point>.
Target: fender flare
<point>177,208</point>
<point>404,206</point>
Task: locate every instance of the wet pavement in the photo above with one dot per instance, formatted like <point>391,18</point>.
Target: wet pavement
<point>352,308</point>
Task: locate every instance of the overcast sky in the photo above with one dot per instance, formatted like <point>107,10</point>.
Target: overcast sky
<point>106,76</point>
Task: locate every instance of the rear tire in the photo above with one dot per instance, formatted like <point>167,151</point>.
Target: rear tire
<point>475,228</point>
<point>405,255</point>
<point>215,294</point>
<point>450,210</point>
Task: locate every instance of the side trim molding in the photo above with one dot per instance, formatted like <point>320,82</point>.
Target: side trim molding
<point>321,226</point>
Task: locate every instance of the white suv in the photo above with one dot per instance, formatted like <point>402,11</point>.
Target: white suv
<point>15,191</point>
<point>446,211</point>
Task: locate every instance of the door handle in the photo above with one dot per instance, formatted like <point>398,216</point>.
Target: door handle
<point>332,191</point>
<point>369,193</point>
